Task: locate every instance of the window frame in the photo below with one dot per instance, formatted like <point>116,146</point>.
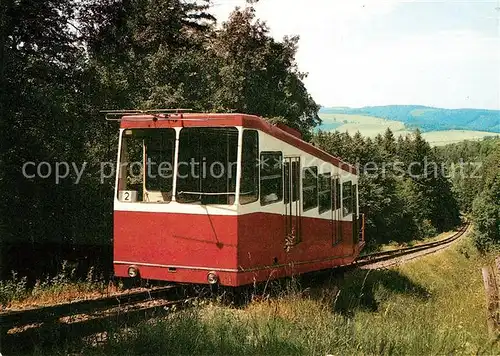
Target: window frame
<point>123,186</point>
<point>147,157</point>
<point>202,178</point>
<point>337,209</point>
<point>279,179</point>
<point>336,194</point>
<point>286,182</point>
<point>355,198</point>
<point>294,175</point>
<point>256,168</point>
<point>295,172</point>
<point>309,170</point>
<point>347,198</point>
<point>327,178</point>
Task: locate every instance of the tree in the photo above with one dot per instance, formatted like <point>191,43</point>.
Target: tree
<point>39,106</point>
<point>486,217</point>
<point>486,206</point>
<point>258,75</point>
<point>389,142</point>
<point>399,206</point>
<point>150,53</point>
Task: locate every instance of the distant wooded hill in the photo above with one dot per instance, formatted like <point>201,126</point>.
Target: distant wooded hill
<point>429,118</point>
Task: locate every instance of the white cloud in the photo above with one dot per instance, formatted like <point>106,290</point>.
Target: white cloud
<point>350,64</point>
<point>292,17</point>
<point>439,70</point>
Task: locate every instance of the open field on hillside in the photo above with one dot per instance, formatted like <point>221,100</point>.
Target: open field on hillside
<point>371,126</point>
<point>441,138</point>
<point>427,118</point>
<point>434,305</point>
<point>367,125</point>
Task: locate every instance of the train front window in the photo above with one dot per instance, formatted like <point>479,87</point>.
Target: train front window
<point>146,165</point>
<point>207,165</point>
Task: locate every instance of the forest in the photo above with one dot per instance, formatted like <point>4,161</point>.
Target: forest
<point>63,61</point>
<point>478,189</point>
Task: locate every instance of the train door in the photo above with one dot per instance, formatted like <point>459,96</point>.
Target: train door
<point>291,199</point>
<point>355,220</point>
<point>336,211</point>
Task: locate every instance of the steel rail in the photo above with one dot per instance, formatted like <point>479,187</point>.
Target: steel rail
<point>11,319</point>
<point>94,324</point>
<point>392,254</point>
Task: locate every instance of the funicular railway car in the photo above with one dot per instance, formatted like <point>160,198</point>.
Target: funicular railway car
<point>228,199</point>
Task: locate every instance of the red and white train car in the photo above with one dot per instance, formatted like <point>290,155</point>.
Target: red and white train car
<point>228,199</point>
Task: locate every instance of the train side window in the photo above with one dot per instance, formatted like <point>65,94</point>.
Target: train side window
<point>310,188</point>
<point>296,178</point>
<point>271,177</point>
<point>336,194</point>
<point>355,197</point>
<point>249,182</point>
<point>325,192</point>
<point>347,198</point>
<point>294,174</point>
<point>286,180</point>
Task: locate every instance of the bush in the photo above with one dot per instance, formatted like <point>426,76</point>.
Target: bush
<point>13,289</point>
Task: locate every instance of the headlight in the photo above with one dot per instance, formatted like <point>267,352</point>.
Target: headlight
<point>133,272</point>
<point>212,278</point>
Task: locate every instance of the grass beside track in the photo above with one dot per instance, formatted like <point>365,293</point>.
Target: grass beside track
<point>433,305</point>
<point>17,294</point>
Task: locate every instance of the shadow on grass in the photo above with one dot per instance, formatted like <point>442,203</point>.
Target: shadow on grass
<point>362,289</point>
<point>187,332</point>
<point>344,290</point>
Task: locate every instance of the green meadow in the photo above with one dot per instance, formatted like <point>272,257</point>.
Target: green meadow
<point>371,126</point>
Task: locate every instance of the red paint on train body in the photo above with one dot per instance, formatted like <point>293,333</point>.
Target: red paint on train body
<point>241,249</point>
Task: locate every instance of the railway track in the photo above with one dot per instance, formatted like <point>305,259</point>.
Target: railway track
<point>389,258</point>
<point>12,319</point>
<point>86,317</point>
<point>83,318</point>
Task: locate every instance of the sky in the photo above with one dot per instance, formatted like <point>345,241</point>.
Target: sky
<point>381,52</point>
